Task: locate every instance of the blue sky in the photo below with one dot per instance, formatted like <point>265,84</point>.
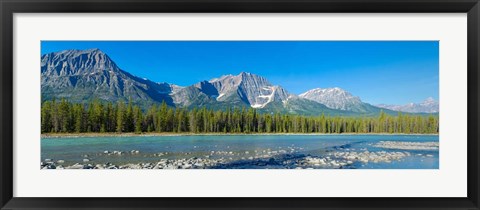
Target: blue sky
<point>391,72</point>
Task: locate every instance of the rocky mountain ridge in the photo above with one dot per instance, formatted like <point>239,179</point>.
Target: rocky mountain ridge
<point>83,75</point>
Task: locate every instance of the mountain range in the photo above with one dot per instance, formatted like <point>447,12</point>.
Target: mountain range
<point>429,105</point>
<point>83,75</point>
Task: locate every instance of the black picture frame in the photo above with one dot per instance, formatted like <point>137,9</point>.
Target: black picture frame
<point>9,7</point>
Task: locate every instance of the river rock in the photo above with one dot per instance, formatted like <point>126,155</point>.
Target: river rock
<point>75,166</point>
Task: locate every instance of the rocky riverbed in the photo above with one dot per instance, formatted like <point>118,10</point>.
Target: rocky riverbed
<point>276,159</point>
<point>407,145</point>
<point>242,152</point>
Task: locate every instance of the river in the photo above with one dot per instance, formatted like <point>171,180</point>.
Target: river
<point>243,152</point>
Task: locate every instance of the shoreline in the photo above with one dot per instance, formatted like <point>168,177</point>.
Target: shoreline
<point>77,135</point>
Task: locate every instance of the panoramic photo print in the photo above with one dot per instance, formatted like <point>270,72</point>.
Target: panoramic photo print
<point>239,105</point>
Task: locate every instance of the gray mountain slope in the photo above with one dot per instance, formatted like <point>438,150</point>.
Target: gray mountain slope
<point>81,75</point>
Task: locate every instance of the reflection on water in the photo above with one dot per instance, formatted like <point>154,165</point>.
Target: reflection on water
<point>243,151</point>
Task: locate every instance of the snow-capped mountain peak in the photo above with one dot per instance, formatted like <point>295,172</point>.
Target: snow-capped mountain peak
<point>251,88</point>
<point>335,98</point>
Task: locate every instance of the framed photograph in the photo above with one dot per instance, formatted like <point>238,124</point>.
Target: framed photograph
<point>239,105</point>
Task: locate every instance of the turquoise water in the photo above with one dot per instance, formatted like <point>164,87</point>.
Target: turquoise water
<point>234,148</point>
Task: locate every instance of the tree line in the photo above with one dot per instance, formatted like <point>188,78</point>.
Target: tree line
<point>61,116</point>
